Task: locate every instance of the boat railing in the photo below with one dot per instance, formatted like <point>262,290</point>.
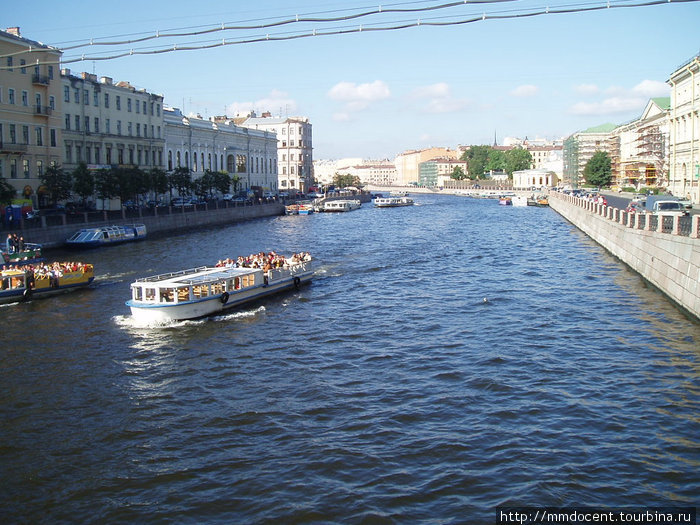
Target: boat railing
<point>170,275</point>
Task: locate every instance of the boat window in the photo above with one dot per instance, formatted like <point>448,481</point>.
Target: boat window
<point>167,295</point>
<point>200,291</point>
<point>218,288</point>
<point>136,293</point>
<point>183,294</point>
<point>150,294</point>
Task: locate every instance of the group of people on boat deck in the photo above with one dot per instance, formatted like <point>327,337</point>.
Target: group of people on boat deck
<point>266,261</point>
<point>48,271</point>
<point>14,244</point>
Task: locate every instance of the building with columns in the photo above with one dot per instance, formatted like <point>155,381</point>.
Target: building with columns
<point>202,145</point>
<point>30,113</point>
<point>684,131</point>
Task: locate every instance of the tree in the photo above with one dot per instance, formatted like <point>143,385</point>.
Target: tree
<point>343,181</point>
<point>58,183</point>
<point>83,182</point>
<point>458,173</point>
<point>496,160</point>
<point>598,170</point>
<point>157,181</point>
<point>477,158</point>
<point>181,180</point>
<point>516,160</point>
<point>106,184</point>
<point>7,192</point>
<point>235,182</point>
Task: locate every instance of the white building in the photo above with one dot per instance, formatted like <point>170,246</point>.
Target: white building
<point>529,179</point>
<point>294,145</point>
<point>684,177</point>
<point>107,124</point>
<point>373,172</point>
<point>202,145</point>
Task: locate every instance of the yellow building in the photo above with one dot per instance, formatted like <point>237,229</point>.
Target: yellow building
<point>408,163</point>
<point>30,111</point>
<point>684,177</point>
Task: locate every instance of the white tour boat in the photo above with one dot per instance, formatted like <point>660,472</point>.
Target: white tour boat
<point>393,202</point>
<point>208,290</point>
<point>107,235</point>
<point>340,205</point>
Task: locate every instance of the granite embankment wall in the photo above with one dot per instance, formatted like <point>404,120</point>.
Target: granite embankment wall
<point>162,224</point>
<point>652,246</point>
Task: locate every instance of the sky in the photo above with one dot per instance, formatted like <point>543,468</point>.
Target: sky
<point>378,92</point>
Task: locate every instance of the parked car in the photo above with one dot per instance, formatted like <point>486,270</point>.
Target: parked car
<point>227,197</point>
<point>686,203</point>
<point>182,202</point>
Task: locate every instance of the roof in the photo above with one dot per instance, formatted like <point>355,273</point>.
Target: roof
<point>662,102</point>
<point>603,128</point>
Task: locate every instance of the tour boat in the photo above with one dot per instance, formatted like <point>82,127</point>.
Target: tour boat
<point>393,202</point>
<point>505,201</point>
<point>31,254</point>
<point>24,284</point>
<point>207,290</point>
<point>107,235</point>
<point>340,205</point>
<point>291,209</point>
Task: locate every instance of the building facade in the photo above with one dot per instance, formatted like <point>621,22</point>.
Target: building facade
<point>684,131</point>
<point>294,148</point>
<point>579,148</point>
<point>433,173</point>
<point>534,179</point>
<point>373,172</point>
<point>200,145</point>
<point>109,125</point>
<point>30,113</point>
<point>408,163</point>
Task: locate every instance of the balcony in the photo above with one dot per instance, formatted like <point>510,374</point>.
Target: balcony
<point>12,148</point>
<point>41,80</point>
<point>43,110</point>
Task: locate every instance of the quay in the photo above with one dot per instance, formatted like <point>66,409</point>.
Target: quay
<point>655,247</point>
<point>53,233</point>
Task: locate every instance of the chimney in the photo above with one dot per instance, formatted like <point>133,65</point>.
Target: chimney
<point>106,80</point>
<point>14,31</point>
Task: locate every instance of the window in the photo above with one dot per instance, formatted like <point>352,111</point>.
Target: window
<point>88,154</point>
<point>13,134</point>
<point>106,100</point>
<point>128,105</point>
<point>39,168</point>
<point>67,121</point>
<point>87,124</point>
<point>97,125</point>
<point>95,98</point>
<point>37,102</point>
<point>39,136</point>
<point>144,107</point>
<point>128,127</point>
<point>9,63</point>
<point>25,98</point>
<point>77,123</point>
<point>120,156</point>
<point>119,127</point>
<point>145,130</point>
<point>25,168</point>
<point>108,155</point>
<point>52,133</point>
<point>78,154</point>
<point>76,95</point>
<point>107,125</point>
<point>158,112</point>
<point>11,96</point>
<point>86,97</point>
<point>119,103</point>
<point>13,168</point>
<point>50,72</point>
<point>25,134</point>
<point>137,107</point>
<point>66,94</point>
<point>52,102</point>
<point>138,129</point>
<point>22,63</point>
<point>97,155</point>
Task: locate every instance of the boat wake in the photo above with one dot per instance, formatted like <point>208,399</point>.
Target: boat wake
<point>129,323</point>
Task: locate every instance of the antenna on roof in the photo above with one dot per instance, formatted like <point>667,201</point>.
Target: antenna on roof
<point>495,143</point>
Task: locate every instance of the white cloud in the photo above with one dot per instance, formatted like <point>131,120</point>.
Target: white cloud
<point>619,99</point>
<point>276,102</point>
<point>587,89</point>
<point>652,88</point>
<point>359,96</point>
<point>341,117</point>
<point>437,99</point>
<point>526,90</point>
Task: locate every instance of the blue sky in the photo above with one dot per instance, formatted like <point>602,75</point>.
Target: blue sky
<point>375,94</point>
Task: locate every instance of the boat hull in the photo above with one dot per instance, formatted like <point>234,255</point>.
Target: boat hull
<point>65,285</point>
<point>214,304</point>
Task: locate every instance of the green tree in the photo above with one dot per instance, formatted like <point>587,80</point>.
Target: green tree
<point>496,160</point>
<point>58,183</point>
<point>458,173</point>
<point>343,181</point>
<point>106,184</point>
<point>477,158</point>
<point>83,182</point>
<point>157,181</point>
<point>598,170</point>
<point>181,180</point>
<point>7,192</point>
<point>235,182</point>
<point>516,160</point>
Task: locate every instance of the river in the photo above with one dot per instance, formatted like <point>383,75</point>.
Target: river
<point>448,359</point>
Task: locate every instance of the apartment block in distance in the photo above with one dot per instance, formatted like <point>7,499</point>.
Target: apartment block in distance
<point>30,113</point>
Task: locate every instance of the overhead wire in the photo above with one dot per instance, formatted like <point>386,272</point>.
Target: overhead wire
<point>343,30</point>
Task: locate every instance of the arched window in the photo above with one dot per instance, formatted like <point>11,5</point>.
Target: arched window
<point>187,159</point>
<point>230,165</point>
<point>177,159</point>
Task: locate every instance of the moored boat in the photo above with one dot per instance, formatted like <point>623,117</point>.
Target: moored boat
<point>107,235</point>
<point>340,205</point>
<point>28,282</point>
<point>505,201</point>
<point>393,202</point>
<point>208,290</point>
<point>519,200</point>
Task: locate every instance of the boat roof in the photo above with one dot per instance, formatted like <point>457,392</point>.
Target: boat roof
<point>194,276</point>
